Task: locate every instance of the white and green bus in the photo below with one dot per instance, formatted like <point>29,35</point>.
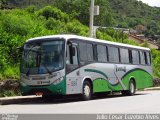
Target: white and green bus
<point>70,64</point>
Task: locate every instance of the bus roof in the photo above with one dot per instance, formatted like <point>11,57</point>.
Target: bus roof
<point>88,39</point>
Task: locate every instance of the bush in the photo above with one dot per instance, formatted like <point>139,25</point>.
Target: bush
<point>16,25</point>
<point>31,9</point>
<point>156,62</point>
<point>104,36</point>
<point>156,82</point>
<point>75,27</point>
<point>118,36</point>
<point>10,72</point>
<point>53,12</point>
<point>9,88</point>
<point>52,24</point>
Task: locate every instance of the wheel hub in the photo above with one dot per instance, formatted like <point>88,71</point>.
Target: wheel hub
<point>132,88</point>
<point>87,91</point>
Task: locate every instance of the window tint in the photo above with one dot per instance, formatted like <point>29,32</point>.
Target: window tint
<point>86,52</point>
<point>113,54</point>
<point>75,55</point>
<point>90,52</point>
<point>68,58</point>
<point>124,55</point>
<point>147,58</point>
<point>142,58</point>
<point>83,53</point>
<point>101,53</point>
<point>135,57</point>
<point>130,56</point>
<point>72,58</point>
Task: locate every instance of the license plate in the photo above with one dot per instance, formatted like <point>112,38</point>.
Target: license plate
<point>39,93</point>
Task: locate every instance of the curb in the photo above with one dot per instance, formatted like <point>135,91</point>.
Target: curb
<point>152,88</point>
<point>18,99</point>
<point>23,99</point>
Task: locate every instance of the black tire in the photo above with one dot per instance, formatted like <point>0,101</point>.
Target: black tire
<point>132,89</point>
<point>87,91</point>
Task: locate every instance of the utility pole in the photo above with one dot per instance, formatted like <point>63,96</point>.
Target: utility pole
<point>122,35</point>
<point>91,18</point>
<point>29,2</point>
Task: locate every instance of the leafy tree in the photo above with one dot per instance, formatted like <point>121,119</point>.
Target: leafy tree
<point>3,4</point>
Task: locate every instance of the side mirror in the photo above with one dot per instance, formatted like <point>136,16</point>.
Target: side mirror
<point>20,48</point>
<point>69,43</point>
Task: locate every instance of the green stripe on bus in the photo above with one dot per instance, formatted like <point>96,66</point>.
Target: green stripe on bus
<point>96,71</point>
<point>143,79</point>
<point>103,84</point>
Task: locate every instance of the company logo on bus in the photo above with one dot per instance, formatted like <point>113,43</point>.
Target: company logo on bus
<point>120,68</point>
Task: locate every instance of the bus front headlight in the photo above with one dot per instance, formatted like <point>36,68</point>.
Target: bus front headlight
<point>58,81</point>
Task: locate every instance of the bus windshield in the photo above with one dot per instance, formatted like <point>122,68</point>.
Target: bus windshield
<point>42,57</point>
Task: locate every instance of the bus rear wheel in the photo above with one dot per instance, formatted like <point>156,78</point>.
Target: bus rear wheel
<point>132,89</point>
<point>87,91</point>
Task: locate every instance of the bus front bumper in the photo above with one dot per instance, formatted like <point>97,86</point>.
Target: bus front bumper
<point>44,90</point>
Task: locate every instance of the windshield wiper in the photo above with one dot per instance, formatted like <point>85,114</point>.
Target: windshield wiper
<point>47,69</point>
<point>27,73</point>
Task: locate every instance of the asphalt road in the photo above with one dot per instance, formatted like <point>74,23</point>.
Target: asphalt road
<point>142,102</point>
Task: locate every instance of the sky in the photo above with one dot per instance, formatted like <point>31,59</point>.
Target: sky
<point>152,2</point>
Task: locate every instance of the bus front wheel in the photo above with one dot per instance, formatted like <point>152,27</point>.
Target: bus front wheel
<point>132,89</point>
<point>87,91</point>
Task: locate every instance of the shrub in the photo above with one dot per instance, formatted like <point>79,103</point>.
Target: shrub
<point>53,12</point>
<point>75,27</point>
<point>16,25</point>
<point>156,82</point>
<point>31,9</point>
<point>156,62</point>
<point>52,24</point>
<point>11,72</point>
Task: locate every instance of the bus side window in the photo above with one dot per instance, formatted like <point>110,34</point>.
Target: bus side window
<point>72,55</point>
<point>90,55</point>
<point>83,51</point>
<point>86,52</point>
<point>124,55</point>
<point>101,53</point>
<point>130,57</point>
<point>142,58</point>
<point>135,57</point>
<point>113,54</point>
<point>147,57</point>
<point>67,55</point>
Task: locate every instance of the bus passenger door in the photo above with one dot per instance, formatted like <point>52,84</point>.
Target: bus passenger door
<point>72,69</point>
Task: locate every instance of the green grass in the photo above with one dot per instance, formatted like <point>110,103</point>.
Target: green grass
<point>10,72</point>
<point>7,93</point>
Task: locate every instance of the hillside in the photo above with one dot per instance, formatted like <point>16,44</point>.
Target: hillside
<point>118,13</point>
<point>131,13</point>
